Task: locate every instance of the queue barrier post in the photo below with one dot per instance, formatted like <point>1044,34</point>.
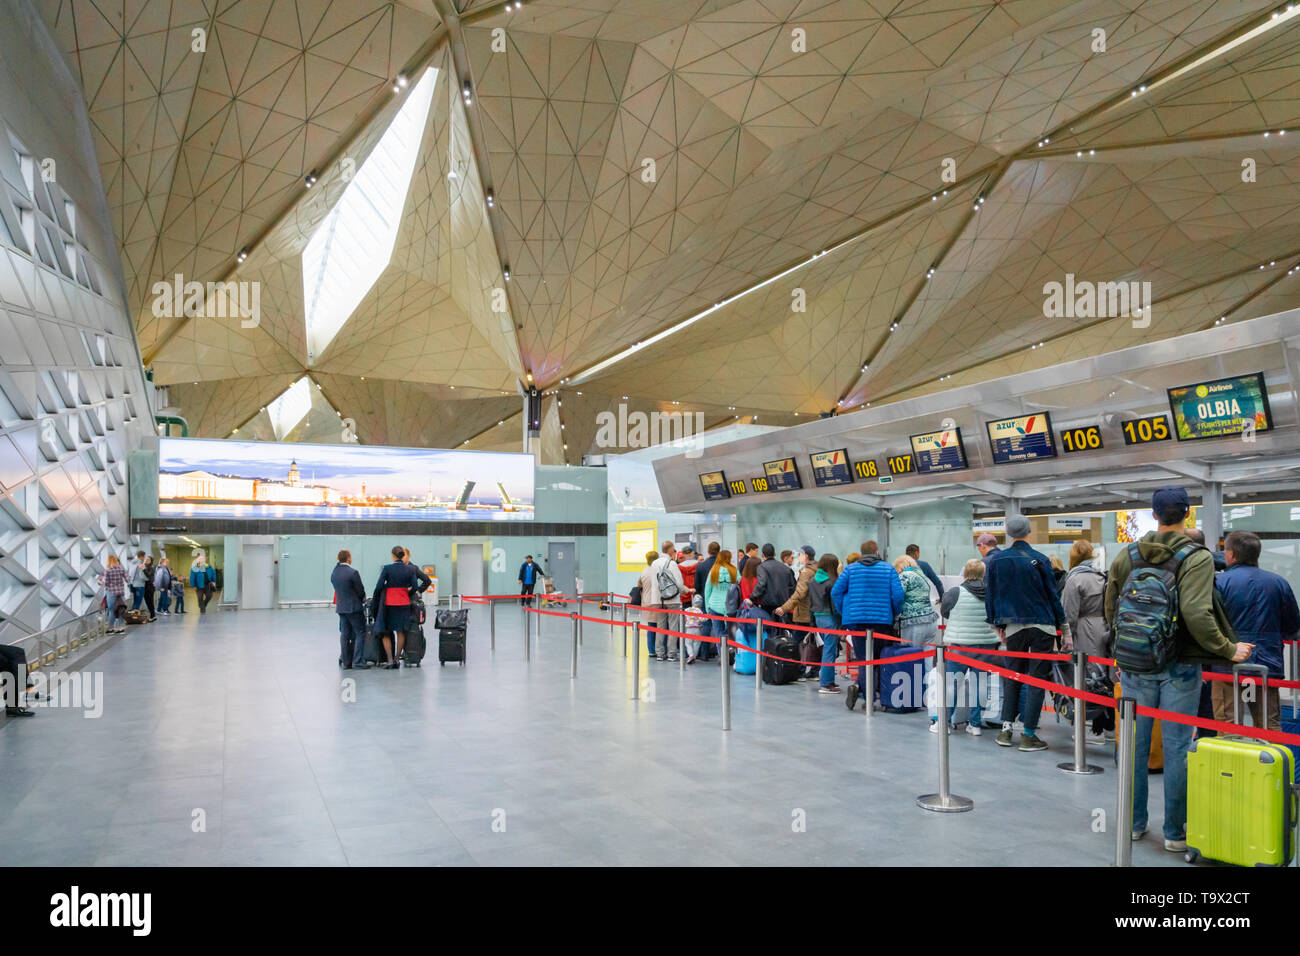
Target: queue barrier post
<point>528,636</point>
<point>758,658</point>
<point>1295,694</point>
<point>573,661</point>
<point>1126,739</point>
<point>724,654</point>
<point>945,801</point>
<point>492,617</point>
<point>681,648</point>
<point>636,661</point>
<point>1080,763</point>
<point>625,630</point>
<point>868,675</point>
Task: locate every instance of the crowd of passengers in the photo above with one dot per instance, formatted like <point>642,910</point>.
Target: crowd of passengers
<point>1010,598</point>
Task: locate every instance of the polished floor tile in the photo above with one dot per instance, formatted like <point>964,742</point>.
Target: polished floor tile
<point>245,717</point>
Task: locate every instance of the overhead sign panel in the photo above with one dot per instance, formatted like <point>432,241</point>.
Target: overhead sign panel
<point>831,468</point>
<point>1024,438</point>
<point>939,451</point>
<point>714,484</point>
<point>782,475</point>
<point>1223,408</point>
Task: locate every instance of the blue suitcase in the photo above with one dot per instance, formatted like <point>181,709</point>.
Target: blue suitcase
<point>1291,725</point>
<point>902,686</point>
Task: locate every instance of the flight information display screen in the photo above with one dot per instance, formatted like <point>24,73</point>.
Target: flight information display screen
<point>939,451</point>
<point>1223,408</point>
<point>831,468</point>
<point>714,484</point>
<point>782,475</point>
<point>1024,438</point>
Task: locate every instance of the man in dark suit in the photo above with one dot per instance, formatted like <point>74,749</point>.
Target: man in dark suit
<point>350,604</point>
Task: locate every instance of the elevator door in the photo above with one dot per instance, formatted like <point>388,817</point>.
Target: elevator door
<point>257,567</point>
<point>562,566</point>
<point>469,568</point>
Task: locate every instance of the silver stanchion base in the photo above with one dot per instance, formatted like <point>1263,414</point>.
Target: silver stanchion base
<point>937,803</point>
<point>1072,767</point>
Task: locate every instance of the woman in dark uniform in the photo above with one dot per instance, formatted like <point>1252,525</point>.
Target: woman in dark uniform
<point>397,583</point>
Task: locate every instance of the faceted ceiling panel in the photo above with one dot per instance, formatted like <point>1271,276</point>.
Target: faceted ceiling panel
<point>896,182</point>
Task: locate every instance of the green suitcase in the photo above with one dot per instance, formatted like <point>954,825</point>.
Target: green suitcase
<point>1241,802</point>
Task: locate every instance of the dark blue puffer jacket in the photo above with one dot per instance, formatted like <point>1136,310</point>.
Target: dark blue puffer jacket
<point>1262,609</point>
<point>868,592</point>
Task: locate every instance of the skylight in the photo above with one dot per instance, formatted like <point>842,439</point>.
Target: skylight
<point>349,250</point>
<point>290,408</point>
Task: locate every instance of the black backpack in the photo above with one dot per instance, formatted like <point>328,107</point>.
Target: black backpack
<point>634,596</point>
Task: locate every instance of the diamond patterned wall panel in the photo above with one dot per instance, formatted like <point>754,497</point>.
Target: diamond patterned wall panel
<point>72,405</point>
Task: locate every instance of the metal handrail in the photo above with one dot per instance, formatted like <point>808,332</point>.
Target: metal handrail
<point>46,647</point>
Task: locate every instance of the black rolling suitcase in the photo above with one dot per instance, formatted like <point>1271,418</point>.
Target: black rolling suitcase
<point>451,645</point>
<point>451,625</point>
<point>414,646</point>
<point>413,643</point>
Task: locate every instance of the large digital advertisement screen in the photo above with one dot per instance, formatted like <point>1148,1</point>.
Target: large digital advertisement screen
<point>218,478</point>
<point>1224,408</point>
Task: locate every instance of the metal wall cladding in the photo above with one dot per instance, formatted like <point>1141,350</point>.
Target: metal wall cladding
<point>73,403</point>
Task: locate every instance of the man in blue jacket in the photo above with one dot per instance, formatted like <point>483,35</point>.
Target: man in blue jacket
<point>527,580</point>
<point>1022,605</point>
<point>350,605</point>
<point>914,552</point>
<point>868,597</point>
<point>1262,609</point>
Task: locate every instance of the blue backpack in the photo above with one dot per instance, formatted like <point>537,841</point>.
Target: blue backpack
<point>1146,617</point>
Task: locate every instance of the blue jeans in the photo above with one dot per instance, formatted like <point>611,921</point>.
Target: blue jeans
<point>164,601</point>
<point>138,596</point>
<point>830,649</point>
<point>1029,704</point>
<point>960,693</point>
<point>1176,688</point>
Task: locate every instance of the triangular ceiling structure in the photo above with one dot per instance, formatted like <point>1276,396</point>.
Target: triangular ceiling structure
<point>593,174</point>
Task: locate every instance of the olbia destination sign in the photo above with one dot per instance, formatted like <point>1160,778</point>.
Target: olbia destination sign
<point>1223,408</point>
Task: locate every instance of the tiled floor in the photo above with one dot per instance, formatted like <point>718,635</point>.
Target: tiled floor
<point>238,721</point>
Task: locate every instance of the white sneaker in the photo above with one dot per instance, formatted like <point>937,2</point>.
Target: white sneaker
<point>934,727</point>
<point>974,730</point>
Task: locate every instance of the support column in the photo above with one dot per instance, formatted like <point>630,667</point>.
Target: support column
<point>883,519</point>
<point>531,418</point>
<point>1210,517</point>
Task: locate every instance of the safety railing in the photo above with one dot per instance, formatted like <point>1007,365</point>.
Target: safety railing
<point>944,800</point>
<point>47,647</point>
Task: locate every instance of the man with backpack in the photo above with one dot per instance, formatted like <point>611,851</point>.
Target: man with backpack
<point>1024,608</point>
<point>666,590</point>
<point>1161,604</point>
